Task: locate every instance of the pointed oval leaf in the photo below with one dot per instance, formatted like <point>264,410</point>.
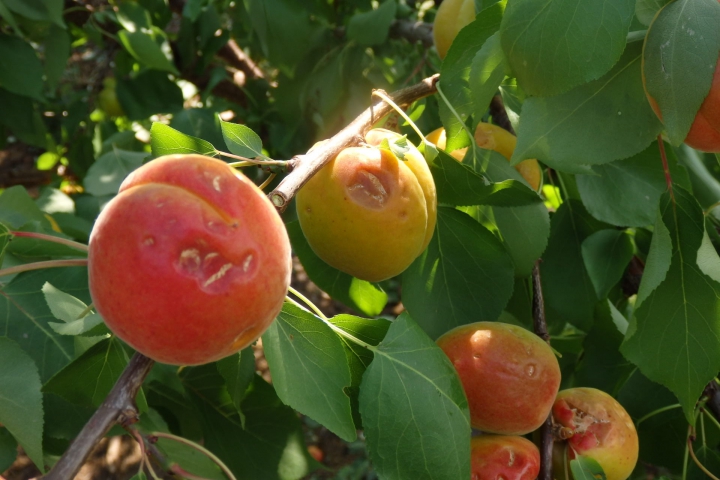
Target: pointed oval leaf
<point>241,140</point>
<point>167,141</point>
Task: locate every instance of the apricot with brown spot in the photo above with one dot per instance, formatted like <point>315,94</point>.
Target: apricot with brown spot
<point>506,457</point>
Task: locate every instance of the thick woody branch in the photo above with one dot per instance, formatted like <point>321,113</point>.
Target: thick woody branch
<point>118,408</point>
<point>413,32</point>
<point>235,56</point>
<point>305,166</point>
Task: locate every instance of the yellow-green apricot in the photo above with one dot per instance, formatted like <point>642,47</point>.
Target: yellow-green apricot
<point>451,17</point>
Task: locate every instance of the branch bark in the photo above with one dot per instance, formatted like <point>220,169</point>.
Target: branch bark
<point>118,407</point>
<point>413,32</point>
<point>305,166</point>
<point>540,327</point>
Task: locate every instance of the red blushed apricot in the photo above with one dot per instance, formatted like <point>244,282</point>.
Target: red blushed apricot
<point>595,426</point>
<point>510,375</point>
<point>507,457</point>
<point>190,262</point>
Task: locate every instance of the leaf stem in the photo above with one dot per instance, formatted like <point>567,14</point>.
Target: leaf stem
<point>51,238</point>
<point>143,452</point>
<point>307,302</point>
<point>85,312</point>
<point>251,161</point>
<point>381,94</point>
<point>80,262</point>
<point>712,417</point>
<point>697,462</point>
<point>457,115</point>
<point>655,412</point>
<point>666,167</point>
<point>200,449</point>
<point>267,181</point>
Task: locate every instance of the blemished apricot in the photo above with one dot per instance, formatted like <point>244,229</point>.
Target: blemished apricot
<point>492,137</point>
<point>190,262</point>
<point>507,457</point>
<point>451,17</point>
<point>368,213</point>
<point>510,375</point>
<point>595,426</point>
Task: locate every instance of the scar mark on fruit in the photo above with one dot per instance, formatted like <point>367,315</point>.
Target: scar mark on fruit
<point>149,241</point>
<point>368,190</point>
<point>218,275</point>
<point>530,370</point>
<point>190,259</point>
<point>216,183</point>
<point>247,262</point>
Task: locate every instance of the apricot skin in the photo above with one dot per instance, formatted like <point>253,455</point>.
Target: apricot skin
<point>492,137</point>
<point>190,262</point>
<point>367,213</point>
<point>600,428</point>
<point>451,17</point>
<point>505,457</point>
<point>509,374</point>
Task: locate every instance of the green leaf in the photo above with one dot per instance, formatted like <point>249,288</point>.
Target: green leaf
<point>190,459</point>
<point>21,409</point>
<point>270,446</point>
<point>459,185</point>
<point>414,408</point>
<point>627,192</point>
<point>709,459</point>
<point>199,122</point>
<point>680,55</point>
<point>598,122</point>
<point>89,325</point>
<point>39,10</point>
<point>606,254</point>
<point>24,315</point>
<point>88,379</point>
<point>238,371</point>
<point>8,449</point>
<point>309,369</point>
<point>371,28</point>
<point>554,46</point>
<point>6,14</point>
<point>363,296</point>
<point>168,141</point>
<point>149,93</point>
<point>569,293</point>
<point>133,17</point>
<point>4,240</point>
<point>645,10</point>
<point>22,117</point>
<point>62,305</point>
<point>486,74</point>
<point>57,52</point>
<point>108,172</point>
<point>586,468</point>
<point>20,70</point>
<point>456,70</point>
<point>464,276</point>
<point>241,140</point>
<point>150,49</point>
<point>678,312</point>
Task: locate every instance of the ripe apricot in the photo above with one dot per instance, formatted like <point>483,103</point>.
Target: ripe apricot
<point>190,262</point>
<point>509,374</point>
<point>451,17</point>
<point>507,457</point>
<point>595,426</point>
<point>492,137</point>
<point>368,213</point>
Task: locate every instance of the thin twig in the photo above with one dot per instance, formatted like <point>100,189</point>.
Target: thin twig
<point>118,407</point>
<point>540,327</point>
<point>307,165</point>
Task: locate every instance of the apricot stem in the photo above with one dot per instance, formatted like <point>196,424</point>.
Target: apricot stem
<point>200,449</point>
<point>51,238</point>
<point>655,412</point>
<point>267,181</point>
<point>143,452</point>
<point>245,161</point>
<point>80,262</point>
<point>457,115</point>
<point>388,100</point>
<point>697,462</point>
<point>307,302</point>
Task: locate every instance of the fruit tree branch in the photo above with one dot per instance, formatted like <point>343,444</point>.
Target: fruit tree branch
<point>540,327</point>
<point>118,407</point>
<point>307,165</point>
<point>413,32</point>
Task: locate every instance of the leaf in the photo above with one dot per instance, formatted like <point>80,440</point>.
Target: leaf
<point>371,28</point>
<point>89,378</point>
<point>5,237</point>
<point>8,449</point>
<point>627,192</point>
<point>709,459</point>
<point>21,409</point>
<point>606,254</point>
<point>190,459</point>
<point>22,117</point>
<point>486,74</point>
<point>457,184</point>
<point>270,446</point>
<point>89,325</point>
<point>168,141</point>
<point>108,172</point>
<point>598,122</point>
<point>238,371</point>
<point>133,17</point>
<point>57,52</point>
<point>149,93</point>
<point>414,408</point>
<point>586,468</point>
<point>456,70</point>
<point>241,140</point>
<point>199,122</point>
<point>309,370</point>
<point>645,10</point>
<point>20,70</point>
<point>464,276</point>
<point>24,315</point>
<point>39,10</point>
<point>678,312</point>
<point>569,293</point>
<point>363,296</point>
<point>62,305</point>
<point>681,51</point>
<point>146,48</point>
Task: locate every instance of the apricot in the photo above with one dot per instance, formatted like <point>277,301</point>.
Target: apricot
<point>505,457</point>
<point>492,137</point>
<point>107,99</point>
<point>596,426</point>
<point>190,262</point>
<point>510,375</point>
<point>368,213</point>
<point>452,16</point>
<point>704,132</point>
